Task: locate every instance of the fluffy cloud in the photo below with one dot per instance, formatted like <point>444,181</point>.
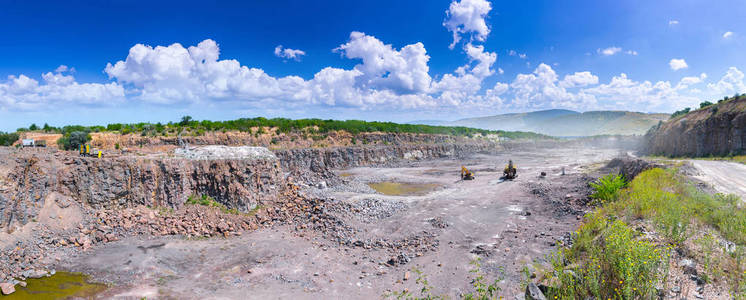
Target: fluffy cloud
<point>385,78</point>
<point>727,34</point>
<point>579,79</point>
<point>403,71</point>
<point>623,92</point>
<point>690,80</point>
<point>467,16</point>
<point>731,82</point>
<point>177,74</point>
<point>289,53</point>
<point>24,93</point>
<point>609,51</point>
<point>543,89</point>
<point>677,64</point>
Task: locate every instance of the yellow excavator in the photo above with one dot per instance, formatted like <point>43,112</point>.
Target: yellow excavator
<point>466,174</point>
<point>510,172</point>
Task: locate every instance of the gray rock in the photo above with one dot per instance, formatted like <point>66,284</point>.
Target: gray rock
<point>7,288</point>
<point>533,292</point>
<point>689,266</point>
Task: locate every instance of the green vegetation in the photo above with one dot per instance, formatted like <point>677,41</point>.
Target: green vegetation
<point>482,289</point>
<point>317,128</point>
<point>73,140</point>
<point>208,201</point>
<point>7,139</point>
<point>607,187</point>
<point>610,257</point>
<point>733,158</point>
<point>706,104</point>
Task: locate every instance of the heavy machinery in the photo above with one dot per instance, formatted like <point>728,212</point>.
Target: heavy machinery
<point>85,150</point>
<point>510,172</point>
<point>466,174</point>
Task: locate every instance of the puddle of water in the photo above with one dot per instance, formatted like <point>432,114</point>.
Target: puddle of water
<point>62,285</point>
<point>401,188</point>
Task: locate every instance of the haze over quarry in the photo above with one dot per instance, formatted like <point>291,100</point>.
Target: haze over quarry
<point>127,61</point>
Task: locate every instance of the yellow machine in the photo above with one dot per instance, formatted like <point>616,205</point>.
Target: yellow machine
<point>466,174</point>
<point>85,150</point>
<point>510,171</point>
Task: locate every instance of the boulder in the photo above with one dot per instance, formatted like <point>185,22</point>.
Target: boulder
<point>533,292</point>
<point>7,288</point>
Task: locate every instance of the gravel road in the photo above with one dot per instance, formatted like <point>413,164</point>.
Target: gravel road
<point>726,177</point>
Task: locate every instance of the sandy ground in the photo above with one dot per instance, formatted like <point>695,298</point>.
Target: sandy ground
<point>726,177</point>
<point>503,223</point>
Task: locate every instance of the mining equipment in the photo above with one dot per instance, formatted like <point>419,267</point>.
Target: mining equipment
<point>510,172</point>
<point>466,174</point>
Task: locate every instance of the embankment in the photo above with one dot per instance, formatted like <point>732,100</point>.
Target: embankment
<point>716,130</point>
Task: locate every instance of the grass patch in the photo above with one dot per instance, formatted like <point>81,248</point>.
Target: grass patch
<point>208,201</point>
<point>483,290</point>
<point>608,259</point>
<point>611,258</point>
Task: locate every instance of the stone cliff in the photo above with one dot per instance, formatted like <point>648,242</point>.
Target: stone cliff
<point>717,130</point>
<point>240,178</point>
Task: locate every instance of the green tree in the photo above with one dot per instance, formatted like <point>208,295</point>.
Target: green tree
<point>185,120</point>
<point>33,127</point>
<point>74,140</point>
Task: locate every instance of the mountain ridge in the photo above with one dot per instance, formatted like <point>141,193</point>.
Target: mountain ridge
<point>563,122</point>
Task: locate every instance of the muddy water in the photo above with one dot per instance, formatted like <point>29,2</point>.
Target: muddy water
<point>62,285</point>
<point>401,188</point>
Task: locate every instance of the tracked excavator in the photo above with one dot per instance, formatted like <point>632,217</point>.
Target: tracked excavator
<point>466,174</point>
<point>510,172</point>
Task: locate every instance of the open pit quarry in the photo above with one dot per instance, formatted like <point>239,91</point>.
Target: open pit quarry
<point>305,223</point>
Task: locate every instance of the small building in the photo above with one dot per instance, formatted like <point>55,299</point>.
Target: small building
<point>27,142</point>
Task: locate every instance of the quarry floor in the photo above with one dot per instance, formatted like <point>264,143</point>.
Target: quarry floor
<point>509,225</point>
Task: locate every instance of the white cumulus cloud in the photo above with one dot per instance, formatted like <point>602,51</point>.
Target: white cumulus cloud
<point>609,51</point>
<point>727,34</point>
<point>24,93</point>
<point>288,53</point>
<point>579,79</point>
<point>677,64</point>
<point>467,16</point>
<point>731,82</point>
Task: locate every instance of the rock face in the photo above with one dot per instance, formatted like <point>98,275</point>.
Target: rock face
<point>321,160</point>
<point>240,178</point>
<point>716,130</point>
<point>241,183</point>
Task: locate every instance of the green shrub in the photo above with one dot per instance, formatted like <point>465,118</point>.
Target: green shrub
<point>73,140</point>
<point>607,187</point>
<point>7,139</point>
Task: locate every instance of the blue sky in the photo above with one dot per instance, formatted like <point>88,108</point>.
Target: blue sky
<point>129,61</point>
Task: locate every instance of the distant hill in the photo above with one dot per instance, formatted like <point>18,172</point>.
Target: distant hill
<point>562,122</point>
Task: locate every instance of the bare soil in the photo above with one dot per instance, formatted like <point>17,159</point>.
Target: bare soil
<point>357,243</point>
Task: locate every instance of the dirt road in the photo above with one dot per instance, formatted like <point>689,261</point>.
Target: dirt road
<point>726,177</point>
<point>509,226</point>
